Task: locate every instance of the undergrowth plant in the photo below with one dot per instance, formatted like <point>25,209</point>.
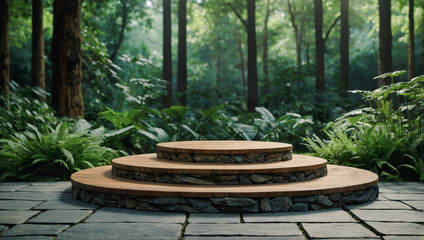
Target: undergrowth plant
<point>387,137</point>
<point>53,153</point>
<point>17,109</point>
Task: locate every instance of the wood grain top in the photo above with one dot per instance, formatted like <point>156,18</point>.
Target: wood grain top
<point>223,147</point>
<point>149,163</point>
<point>339,179</point>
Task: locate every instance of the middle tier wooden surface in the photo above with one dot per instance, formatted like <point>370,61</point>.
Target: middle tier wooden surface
<point>150,163</point>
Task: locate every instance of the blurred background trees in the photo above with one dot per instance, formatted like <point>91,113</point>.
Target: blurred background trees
<point>146,71</point>
<point>219,69</point>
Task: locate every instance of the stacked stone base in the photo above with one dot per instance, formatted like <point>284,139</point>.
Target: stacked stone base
<point>220,179</point>
<point>228,204</point>
<point>226,158</point>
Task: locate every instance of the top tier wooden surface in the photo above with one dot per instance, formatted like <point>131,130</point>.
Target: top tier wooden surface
<point>223,147</point>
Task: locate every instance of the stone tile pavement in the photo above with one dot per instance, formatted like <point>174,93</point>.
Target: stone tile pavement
<point>42,211</point>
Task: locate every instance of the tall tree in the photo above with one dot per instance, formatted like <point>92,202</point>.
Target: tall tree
<point>125,9</point>
<point>182,52</point>
<point>37,60</point>
<point>411,53</point>
<point>66,59</point>
<point>297,33</point>
<point>265,50</point>
<point>167,53</point>
<point>252,72</point>
<point>242,64</point>
<point>385,40</point>
<point>320,45</point>
<point>422,36</point>
<point>4,46</point>
<point>344,47</point>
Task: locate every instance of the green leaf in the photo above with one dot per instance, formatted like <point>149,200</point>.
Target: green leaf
<point>69,156</point>
<point>149,135</point>
<point>390,74</point>
<point>193,133</point>
<point>119,132</point>
<point>212,111</point>
<point>81,125</point>
<point>265,114</point>
<point>177,112</point>
<point>247,132</point>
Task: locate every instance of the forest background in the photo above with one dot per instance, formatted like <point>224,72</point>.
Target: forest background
<point>298,93</point>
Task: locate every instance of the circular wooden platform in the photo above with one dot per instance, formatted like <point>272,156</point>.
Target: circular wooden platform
<point>148,168</point>
<point>339,179</point>
<point>224,176</point>
<point>149,163</point>
<point>223,147</point>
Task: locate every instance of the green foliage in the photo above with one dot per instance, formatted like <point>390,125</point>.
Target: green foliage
<point>143,90</point>
<point>17,110</point>
<point>98,69</point>
<point>386,137</point>
<point>126,125</point>
<point>52,153</point>
<point>266,127</point>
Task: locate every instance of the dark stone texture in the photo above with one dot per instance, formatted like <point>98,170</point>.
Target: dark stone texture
<point>227,158</point>
<point>300,207</point>
<point>228,204</point>
<point>168,201</point>
<point>324,201</point>
<point>281,204</point>
<point>199,203</point>
<point>234,202</point>
<point>219,179</point>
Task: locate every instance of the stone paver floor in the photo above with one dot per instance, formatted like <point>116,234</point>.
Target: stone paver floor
<point>47,211</point>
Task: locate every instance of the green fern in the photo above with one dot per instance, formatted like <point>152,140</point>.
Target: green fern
<point>382,138</point>
<point>54,154</point>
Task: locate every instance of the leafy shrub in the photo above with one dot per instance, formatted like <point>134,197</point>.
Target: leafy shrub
<point>53,153</point>
<point>17,110</point>
<point>386,137</point>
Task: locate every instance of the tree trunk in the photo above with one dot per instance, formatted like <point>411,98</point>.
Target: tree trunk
<point>308,55</point>
<point>422,37</point>
<point>411,53</point>
<point>123,26</point>
<point>4,47</point>
<point>66,59</point>
<point>242,68</point>
<point>344,47</point>
<point>319,47</point>
<point>37,67</point>
<point>265,51</point>
<point>385,41</point>
<point>218,68</point>
<point>182,52</point>
<point>296,35</point>
<point>252,72</point>
<point>167,52</point>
